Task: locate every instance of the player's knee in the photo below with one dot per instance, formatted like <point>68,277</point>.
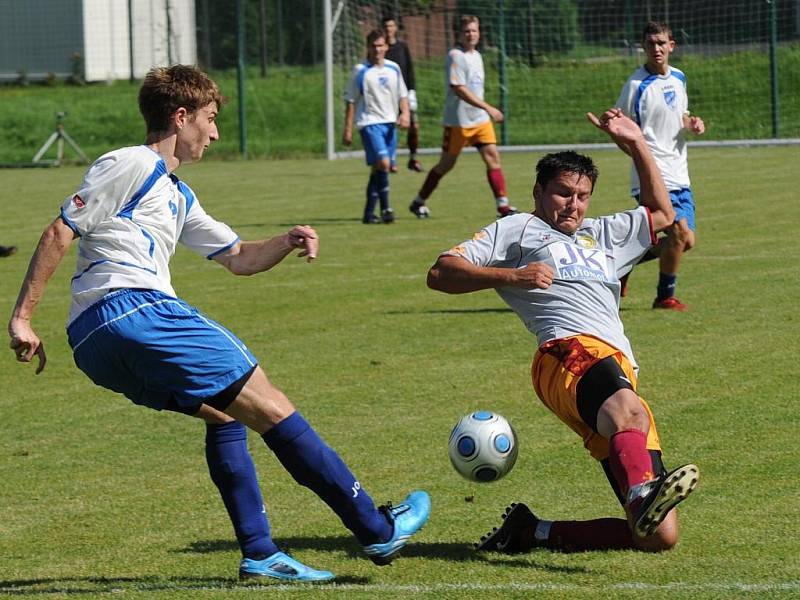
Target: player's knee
<point>381,165</point>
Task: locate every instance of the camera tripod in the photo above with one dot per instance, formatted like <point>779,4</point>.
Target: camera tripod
<point>59,135</point>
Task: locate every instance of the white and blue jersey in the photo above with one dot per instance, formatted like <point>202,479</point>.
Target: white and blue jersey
<point>658,104</point>
<point>584,296</point>
<point>130,214</point>
<point>376,92</point>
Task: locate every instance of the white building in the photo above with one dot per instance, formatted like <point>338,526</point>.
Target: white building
<point>45,38</point>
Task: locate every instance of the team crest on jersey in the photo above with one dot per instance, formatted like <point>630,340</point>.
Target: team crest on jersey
<point>586,241</point>
<point>670,97</point>
<point>384,81</point>
<point>78,201</point>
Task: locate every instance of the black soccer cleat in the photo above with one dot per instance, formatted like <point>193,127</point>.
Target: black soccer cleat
<point>515,534</point>
<point>420,210</point>
<point>660,496</point>
<point>387,216</point>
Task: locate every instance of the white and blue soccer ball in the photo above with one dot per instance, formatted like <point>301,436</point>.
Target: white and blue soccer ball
<point>483,446</point>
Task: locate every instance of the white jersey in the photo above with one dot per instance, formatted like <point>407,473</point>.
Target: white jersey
<point>130,213</point>
<point>584,295</point>
<point>463,68</point>
<point>658,103</point>
<point>376,92</point>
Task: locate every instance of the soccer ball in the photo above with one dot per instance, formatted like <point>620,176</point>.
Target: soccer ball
<point>483,446</point>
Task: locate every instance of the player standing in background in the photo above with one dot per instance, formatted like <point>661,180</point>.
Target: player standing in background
<point>655,97</point>
<point>7,250</point>
<point>467,120</point>
<point>559,271</point>
<point>399,53</point>
<point>375,91</point>
<point>131,334</point>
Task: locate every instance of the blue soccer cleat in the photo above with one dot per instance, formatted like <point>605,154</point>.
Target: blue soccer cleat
<point>281,566</point>
<point>407,518</point>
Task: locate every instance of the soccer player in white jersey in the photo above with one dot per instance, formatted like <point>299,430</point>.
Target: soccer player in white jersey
<point>655,97</point>
<point>374,92</point>
<point>130,333</point>
<point>559,271</point>
<point>467,120</point>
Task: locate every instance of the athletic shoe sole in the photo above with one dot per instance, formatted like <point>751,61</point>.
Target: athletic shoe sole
<point>673,490</point>
<point>515,535</point>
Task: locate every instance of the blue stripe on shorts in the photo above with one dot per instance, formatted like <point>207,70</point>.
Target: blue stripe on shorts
<point>156,349</point>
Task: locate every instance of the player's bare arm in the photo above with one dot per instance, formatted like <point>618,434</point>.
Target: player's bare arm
<point>456,275</point>
<point>249,258</point>
<point>53,246</point>
<point>347,134</point>
<point>404,119</point>
<point>463,92</point>
<point>653,193</point>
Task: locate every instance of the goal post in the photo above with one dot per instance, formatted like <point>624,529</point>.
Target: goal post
<point>548,62</point>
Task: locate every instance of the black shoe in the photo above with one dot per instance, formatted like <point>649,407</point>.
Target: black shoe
<point>515,535</point>
<point>415,165</point>
<point>387,216</point>
<point>420,210</point>
<point>7,250</point>
<point>660,496</point>
<point>370,220</point>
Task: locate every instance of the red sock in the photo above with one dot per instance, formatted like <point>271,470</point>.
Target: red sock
<point>431,181</point>
<point>497,182</point>
<point>597,534</point>
<point>629,459</point>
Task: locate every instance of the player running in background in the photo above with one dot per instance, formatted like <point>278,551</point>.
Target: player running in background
<point>375,91</point>
<point>130,333</point>
<point>559,271</point>
<point>467,120</point>
<point>399,53</point>
<point>655,97</point>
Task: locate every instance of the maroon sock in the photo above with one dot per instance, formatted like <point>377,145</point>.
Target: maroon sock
<point>431,181</point>
<point>413,140</point>
<point>497,182</point>
<point>629,459</point>
<point>597,534</point>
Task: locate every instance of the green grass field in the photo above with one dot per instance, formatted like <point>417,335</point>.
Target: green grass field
<point>102,498</point>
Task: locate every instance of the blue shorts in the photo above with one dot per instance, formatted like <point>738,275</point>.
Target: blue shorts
<point>683,203</point>
<point>156,350</point>
<point>380,141</point>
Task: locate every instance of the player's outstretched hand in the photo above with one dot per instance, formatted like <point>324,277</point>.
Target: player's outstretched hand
<point>619,128</point>
<point>25,343</point>
<point>304,236</point>
<point>534,275</point>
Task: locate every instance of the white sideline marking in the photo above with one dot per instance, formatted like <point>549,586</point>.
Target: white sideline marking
<point>722,586</point>
<point>733,586</point>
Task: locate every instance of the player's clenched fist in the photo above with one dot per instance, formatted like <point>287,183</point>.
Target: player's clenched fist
<point>304,236</point>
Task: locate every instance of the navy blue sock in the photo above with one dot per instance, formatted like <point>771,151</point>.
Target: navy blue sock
<point>234,474</point>
<point>666,285</point>
<point>372,196</point>
<point>382,184</point>
<point>316,466</point>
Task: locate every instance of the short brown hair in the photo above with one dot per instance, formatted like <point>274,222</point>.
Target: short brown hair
<point>166,89</point>
<point>460,22</point>
<point>656,28</point>
<point>373,35</point>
